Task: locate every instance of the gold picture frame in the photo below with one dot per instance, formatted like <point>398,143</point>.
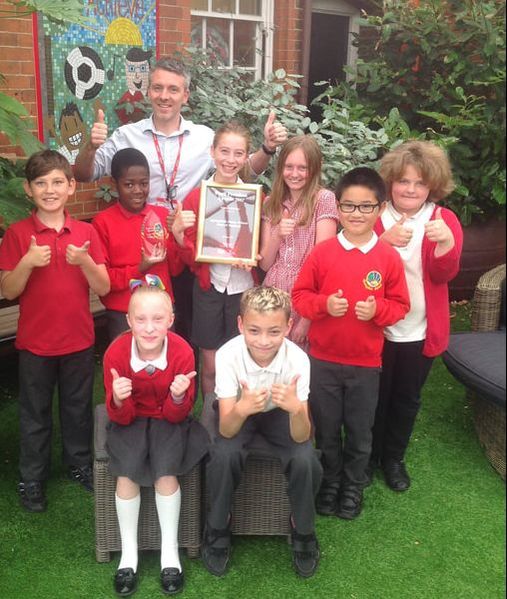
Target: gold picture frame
<point>228,226</point>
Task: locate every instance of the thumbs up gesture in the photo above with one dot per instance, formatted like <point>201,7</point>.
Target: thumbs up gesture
<point>399,235</point>
<point>366,310</point>
<point>252,401</point>
<point>77,255</point>
<point>337,305</point>
<point>287,224</point>
<point>37,255</point>
<point>122,388</point>
<point>437,230</point>
<point>180,385</point>
<point>275,133</point>
<point>98,134</point>
<point>183,219</point>
<point>286,396</point>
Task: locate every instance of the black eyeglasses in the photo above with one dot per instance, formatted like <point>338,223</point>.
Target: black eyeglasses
<point>363,208</point>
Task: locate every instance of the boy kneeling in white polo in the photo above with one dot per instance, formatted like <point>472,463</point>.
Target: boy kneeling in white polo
<point>262,385</point>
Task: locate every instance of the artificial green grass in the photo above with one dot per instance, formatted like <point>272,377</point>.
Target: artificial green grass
<point>444,538</point>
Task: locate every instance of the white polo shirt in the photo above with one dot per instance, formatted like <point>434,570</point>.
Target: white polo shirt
<point>195,159</point>
<point>233,364</point>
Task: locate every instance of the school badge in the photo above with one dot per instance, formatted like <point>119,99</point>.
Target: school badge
<point>373,280</point>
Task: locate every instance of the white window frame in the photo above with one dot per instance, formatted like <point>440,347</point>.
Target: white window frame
<point>263,37</point>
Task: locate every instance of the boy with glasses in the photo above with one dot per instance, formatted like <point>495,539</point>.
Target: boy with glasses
<point>350,287</point>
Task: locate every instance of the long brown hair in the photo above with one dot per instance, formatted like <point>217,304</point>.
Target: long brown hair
<point>273,207</point>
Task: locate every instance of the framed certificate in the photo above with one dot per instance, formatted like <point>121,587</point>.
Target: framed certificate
<point>229,223</point>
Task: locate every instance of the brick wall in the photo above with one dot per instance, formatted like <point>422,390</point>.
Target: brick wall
<point>288,37</point>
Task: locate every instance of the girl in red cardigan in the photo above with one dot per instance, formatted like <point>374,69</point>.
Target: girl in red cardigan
<point>429,239</point>
<point>148,377</point>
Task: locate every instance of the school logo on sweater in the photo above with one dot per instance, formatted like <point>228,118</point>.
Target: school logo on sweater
<point>373,280</point>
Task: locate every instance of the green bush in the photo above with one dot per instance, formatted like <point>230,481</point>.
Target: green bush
<point>218,95</point>
<point>441,63</point>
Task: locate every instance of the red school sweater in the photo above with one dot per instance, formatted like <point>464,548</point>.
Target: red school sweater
<point>150,396</point>
<point>120,233</point>
<point>330,267</point>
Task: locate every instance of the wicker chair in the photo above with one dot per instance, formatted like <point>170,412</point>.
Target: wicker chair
<point>477,359</point>
<point>260,505</point>
<point>107,534</point>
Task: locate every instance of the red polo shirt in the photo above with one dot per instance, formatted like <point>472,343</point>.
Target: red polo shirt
<point>54,308</point>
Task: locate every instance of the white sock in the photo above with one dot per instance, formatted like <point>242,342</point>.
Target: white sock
<point>168,509</point>
<point>128,516</point>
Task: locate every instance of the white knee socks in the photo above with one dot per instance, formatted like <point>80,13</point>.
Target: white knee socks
<point>168,509</point>
<point>128,516</point>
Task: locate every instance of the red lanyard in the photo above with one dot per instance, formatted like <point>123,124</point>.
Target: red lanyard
<point>161,160</point>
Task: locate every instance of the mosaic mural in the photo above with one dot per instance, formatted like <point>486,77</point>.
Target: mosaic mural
<point>101,66</point>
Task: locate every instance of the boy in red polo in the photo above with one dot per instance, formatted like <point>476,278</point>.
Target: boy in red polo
<point>50,262</point>
<point>124,229</point>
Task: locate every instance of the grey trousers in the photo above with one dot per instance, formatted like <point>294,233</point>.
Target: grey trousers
<point>299,463</point>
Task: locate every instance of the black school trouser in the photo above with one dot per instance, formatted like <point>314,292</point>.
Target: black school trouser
<point>404,372</point>
<point>299,464</point>
<point>38,376</point>
<point>343,399</point>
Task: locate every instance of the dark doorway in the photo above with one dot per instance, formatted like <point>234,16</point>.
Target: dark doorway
<point>328,53</point>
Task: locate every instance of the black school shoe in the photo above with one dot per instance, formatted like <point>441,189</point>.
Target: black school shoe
<point>82,475</point>
<point>31,495</point>
<point>171,580</point>
<point>350,503</point>
<point>125,582</point>
<point>396,475</point>
<point>327,499</point>
<point>216,549</point>
<point>305,552</point>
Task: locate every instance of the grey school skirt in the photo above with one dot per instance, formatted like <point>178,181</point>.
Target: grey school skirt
<point>149,448</point>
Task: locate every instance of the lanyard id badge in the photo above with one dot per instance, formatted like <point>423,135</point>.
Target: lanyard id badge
<point>171,188</point>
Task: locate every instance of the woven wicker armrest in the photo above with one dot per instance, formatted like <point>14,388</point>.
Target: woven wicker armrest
<point>487,302</point>
<point>99,434</point>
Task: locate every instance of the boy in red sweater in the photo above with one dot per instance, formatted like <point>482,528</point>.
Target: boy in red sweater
<point>350,287</point>
<point>50,262</point>
<point>119,228</point>
<point>149,381</point>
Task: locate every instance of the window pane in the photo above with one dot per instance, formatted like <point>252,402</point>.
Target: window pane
<point>217,38</point>
<point>250,7</point>
<point>196,31</point>
<point>224,6</point>
<point>199,4</point>
<point>244,43</point>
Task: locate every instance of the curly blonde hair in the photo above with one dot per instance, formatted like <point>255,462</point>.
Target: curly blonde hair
<point>430,160</point>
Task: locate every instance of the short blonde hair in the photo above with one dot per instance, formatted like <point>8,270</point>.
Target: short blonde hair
<point>144,290</point>
<point>430,160</point>
<point>265,299</point>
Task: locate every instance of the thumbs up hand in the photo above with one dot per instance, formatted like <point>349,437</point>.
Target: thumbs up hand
<point>399,235</point>
<point>436,230</point>
<point>287,224</point>
<point>37,255</point>
<point>122,388</point>
<point>366,310</point>
<point>98,134</point>
<point>180,385</point>
<point>275,133</point>
<point>77,256</point>
<point>286,396</point>
<point>183,219</point>
<point>337,305</point>
<point>252,401</point>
